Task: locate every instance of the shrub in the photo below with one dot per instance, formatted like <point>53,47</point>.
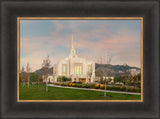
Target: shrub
<point>130,89</point>
<point>139,84</point>
<point>55,83</point>
<point>63,84</point>
<point>97,86</point>
<point>67,84</point>
<point>74,85</point>
<point>123,88</point>
<point>110,87</point>
<point>63,79</point>
<point>70,84</point>
<point>102,86</point>
<point>117,88</point>
<point>85,85</point>
<point>79,85</point>
<point>92,85</point>
<point>114,88</point>
<point>136,90</point>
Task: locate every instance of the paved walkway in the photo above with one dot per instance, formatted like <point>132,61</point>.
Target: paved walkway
<point>94,89</point>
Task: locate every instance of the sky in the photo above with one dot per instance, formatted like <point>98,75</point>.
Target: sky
<point>92,39</point>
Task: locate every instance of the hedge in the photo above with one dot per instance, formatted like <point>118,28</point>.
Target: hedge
<point>85,85</point>
<point>100,86</point>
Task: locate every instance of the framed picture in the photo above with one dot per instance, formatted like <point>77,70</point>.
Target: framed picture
<point>83,59</point>
<point>80,78</point>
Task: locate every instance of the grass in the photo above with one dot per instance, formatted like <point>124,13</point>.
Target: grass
<point>38,92</point>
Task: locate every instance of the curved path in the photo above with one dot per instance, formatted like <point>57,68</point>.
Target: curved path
<point>94,89</point>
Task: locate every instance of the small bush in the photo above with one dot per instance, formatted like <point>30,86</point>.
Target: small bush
<point>63,79</point>
<point>79,85</point>
<point>74,85</point>
<point>55,83</point>
<point>136,90</point>
<point>110,87</point>
<point>67,84</point>
<point>63,84</point>
<point>123,88</point>
<point>130,89</point>
<point>85,85</point>
<point>117,88</point>
<point>92,85</point>
<point>102,86</point>
<point>70,84</point>
<point>95,86</point>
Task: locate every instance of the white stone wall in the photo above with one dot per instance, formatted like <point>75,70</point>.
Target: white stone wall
<point>70,68</point>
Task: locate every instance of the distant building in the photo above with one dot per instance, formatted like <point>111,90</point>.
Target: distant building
<point>111,81</point>
<point>74,67</point>
<point>134,71</point>
<point>119,71</point>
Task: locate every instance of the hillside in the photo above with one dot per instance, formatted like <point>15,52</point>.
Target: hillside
<point>39,71</point>
<point>114,68</point>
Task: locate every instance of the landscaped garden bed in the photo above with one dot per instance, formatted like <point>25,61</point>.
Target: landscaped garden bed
<point>99,86</point>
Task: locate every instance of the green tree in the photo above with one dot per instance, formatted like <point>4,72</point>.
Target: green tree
<point>34,77</point>
<point>40,79</point>
<point>63,79</point>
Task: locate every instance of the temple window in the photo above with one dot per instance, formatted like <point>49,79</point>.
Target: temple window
<point>78,68</point>
<point>89,68</point>
<point>64,69</point>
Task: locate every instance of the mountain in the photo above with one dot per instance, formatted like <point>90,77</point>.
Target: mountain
<point>114,68</point>
<point>40,72</point>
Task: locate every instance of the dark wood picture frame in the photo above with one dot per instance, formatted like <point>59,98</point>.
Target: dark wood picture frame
<point>11,9</point>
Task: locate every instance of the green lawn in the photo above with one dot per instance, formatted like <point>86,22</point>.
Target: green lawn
<point>38,92</point>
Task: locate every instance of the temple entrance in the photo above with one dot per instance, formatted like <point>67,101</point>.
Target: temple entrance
<point>83,80</point>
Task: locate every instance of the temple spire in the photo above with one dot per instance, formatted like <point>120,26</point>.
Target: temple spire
<point>72,47</point>
<point>72,50</point>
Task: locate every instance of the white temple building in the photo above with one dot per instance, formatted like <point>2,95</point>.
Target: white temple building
<point>74,67</point>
